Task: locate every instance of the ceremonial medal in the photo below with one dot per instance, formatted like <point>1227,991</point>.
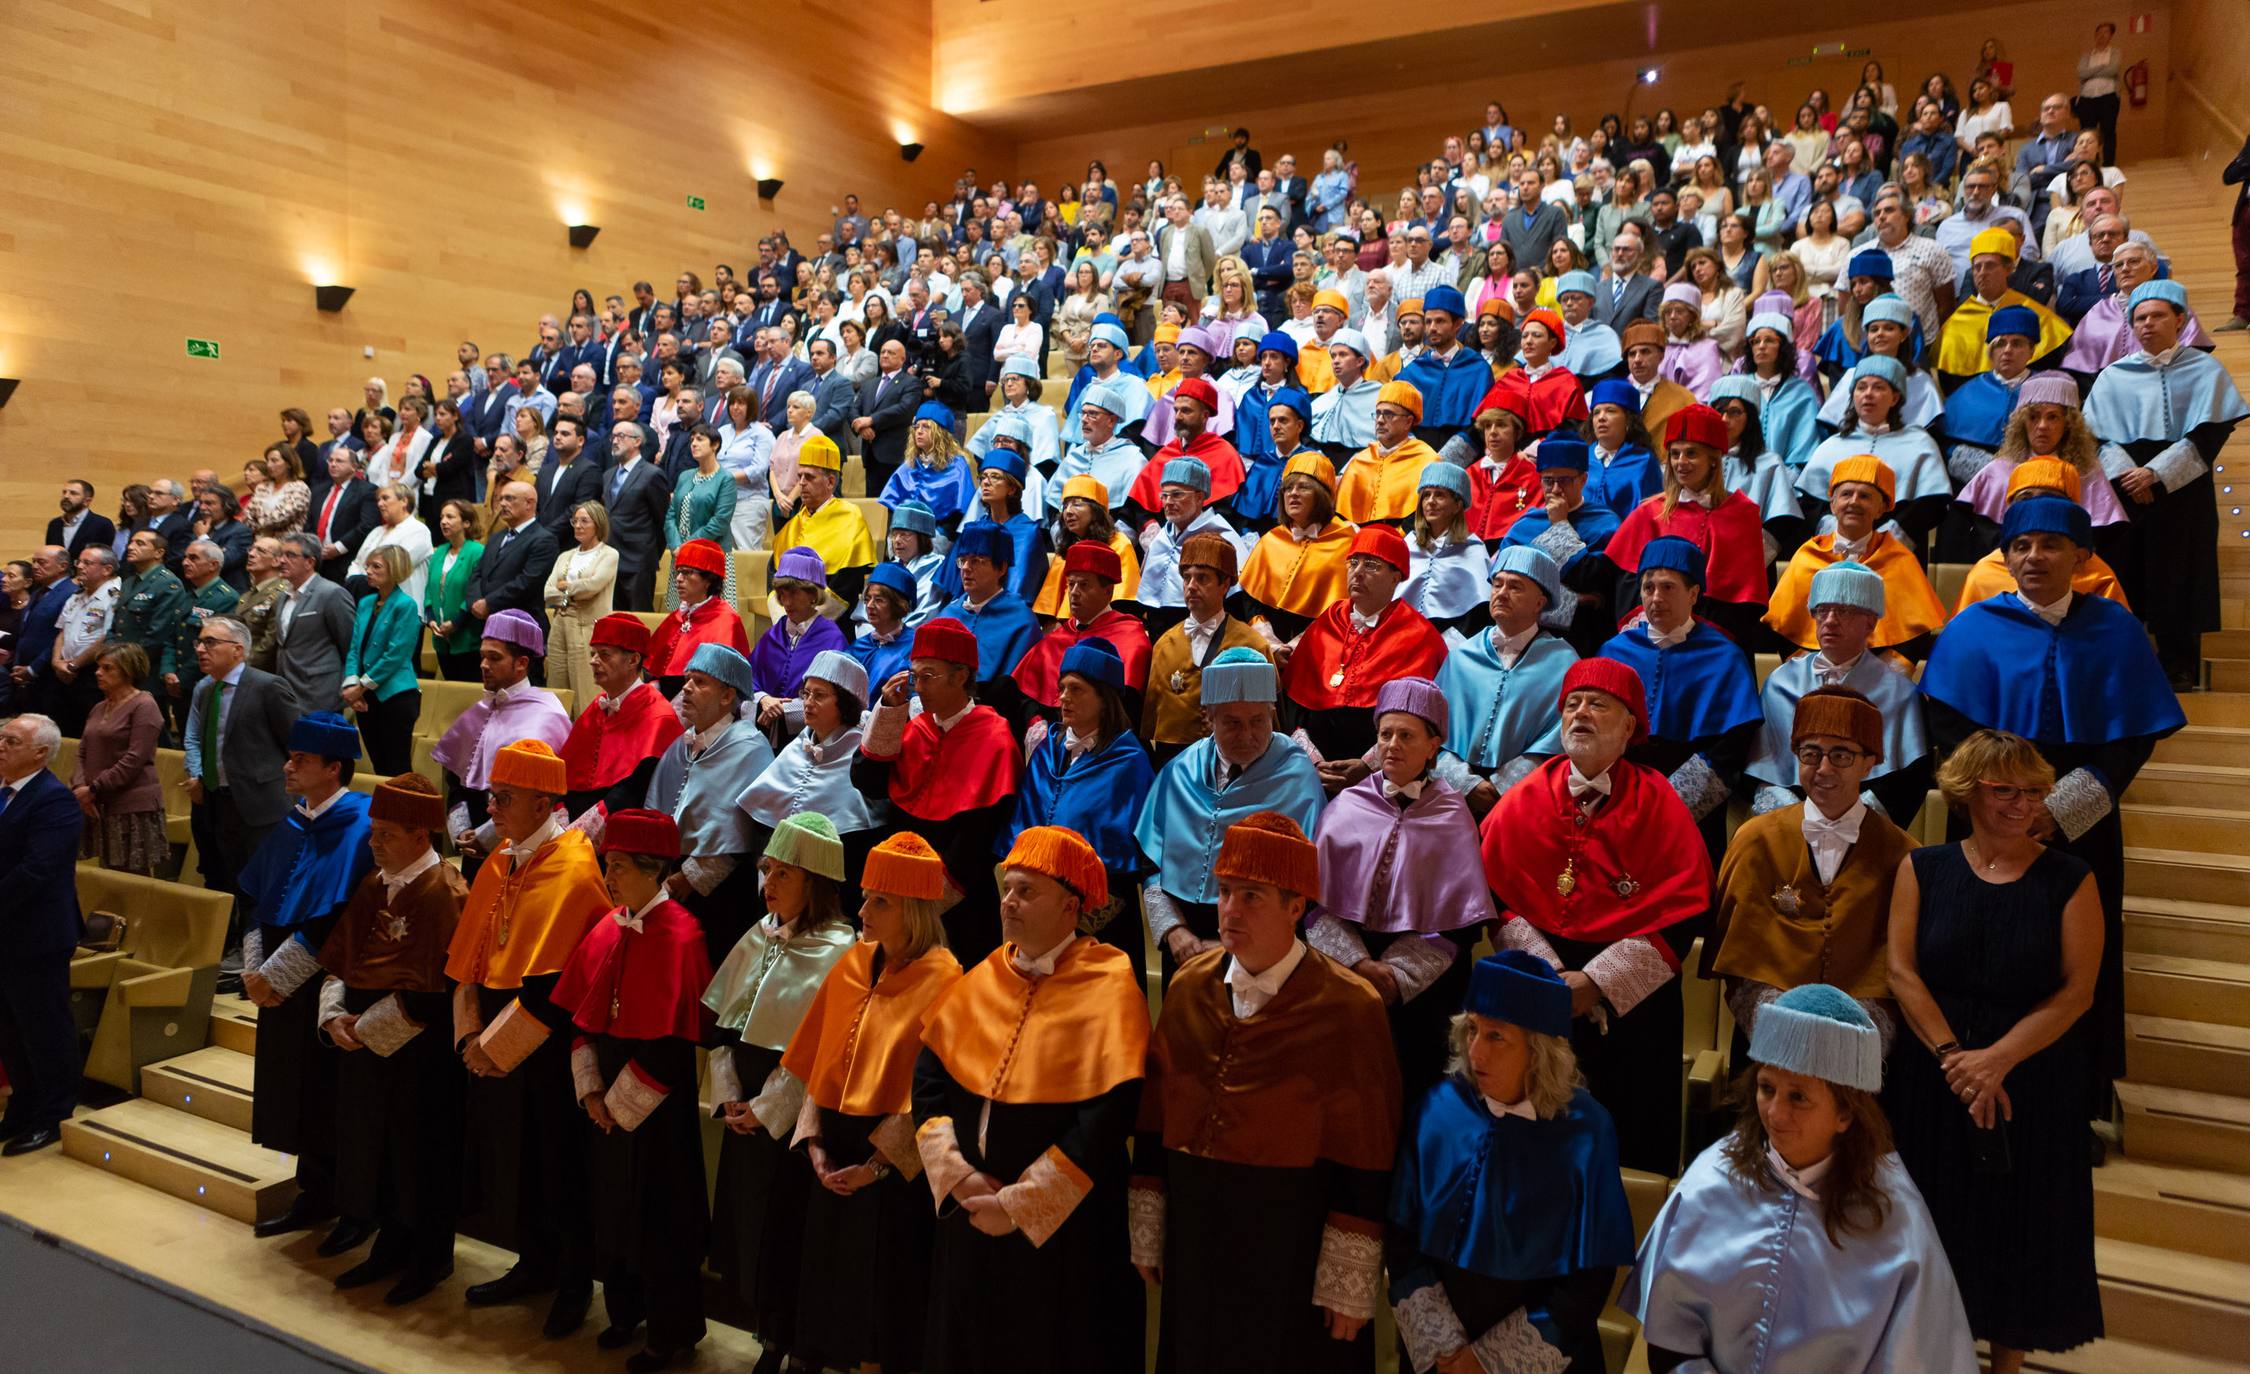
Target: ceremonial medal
<point>1626,887</point>
<point>1178,680</point>
<point>1566,881</point>
<point>1785,900</point>
<point>1336,679</point>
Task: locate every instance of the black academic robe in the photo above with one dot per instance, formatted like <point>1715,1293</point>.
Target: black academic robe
<point>525,1174</point>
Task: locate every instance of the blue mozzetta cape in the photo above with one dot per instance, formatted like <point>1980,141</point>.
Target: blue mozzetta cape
<point>948,492</point>
<point>1450,391</point>
<point>1026,574</point>
<point>307,869</point>
<point>1977,411</point>
<point>1904,737</point>
<point>2091,680</point>
<point>1594,522</point>
<point>2134,399</point>
<point>1790,421</point>
<point>1698,688</point>
<point>1629,478</point>
<point>1005,630</point>
<point>1592,349</point>
<point>1185,821</point>
<point>1504,1197</point>
<point>1100,796</point>
<point>1498,713</point>
<point>882,661</point>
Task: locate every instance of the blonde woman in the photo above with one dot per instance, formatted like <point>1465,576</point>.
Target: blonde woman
<point>579,592</point>
<point>395,526</point>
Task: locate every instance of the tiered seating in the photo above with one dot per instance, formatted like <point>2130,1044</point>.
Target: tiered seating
<point>147,1000</point>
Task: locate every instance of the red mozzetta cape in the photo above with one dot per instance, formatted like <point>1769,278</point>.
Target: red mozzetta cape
<point>1495,502</point>
<point>671,644</point>
<point>1636,866</point>
<point>1731,537</point>
<point>1214,452</point>
<point>939,774</point>
<point>1553,401</point>
<point>641,984</point>
<point>1040,673</point>
<point>1335,665</point>
<point>605,746</point>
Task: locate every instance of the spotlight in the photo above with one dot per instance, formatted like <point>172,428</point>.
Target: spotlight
<point>909,151</point>
<point>582,235</point>
<point>1648,76</point>
<point>8,387</point>
<point>331,298</point>
<point>768,187</point>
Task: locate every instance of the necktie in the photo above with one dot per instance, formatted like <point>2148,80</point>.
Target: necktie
<point>210,741</point>
<point>2108,282</point>
<point>1616,291</point>
<point>328,509</point>
<point>7,795</point>
<point>616,485</point>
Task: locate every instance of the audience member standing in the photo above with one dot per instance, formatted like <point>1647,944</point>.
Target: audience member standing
<point>114,779</point>
<point>39,829</point>
<point>80,633</point>
<point>314,628</point>
<point>237,740</point>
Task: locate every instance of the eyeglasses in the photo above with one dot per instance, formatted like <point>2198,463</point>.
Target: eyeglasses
<point>2006,792</point>
<point>1811,756</point>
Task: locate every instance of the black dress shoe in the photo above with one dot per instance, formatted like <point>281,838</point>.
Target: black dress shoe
<point>770,1360</point>
<point>12,1127</point>
<point>568,1312</point>
<point>38,1139</point>
<point>375,1267</point>
<point>303,1214</point>
<point>519,1282</point>
<point>617,1337</point>
<point>647,1361</point>
<point>417,1283</point>
<point>348,1235</point>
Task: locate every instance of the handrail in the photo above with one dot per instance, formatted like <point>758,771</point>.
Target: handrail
<point>2223,119</point>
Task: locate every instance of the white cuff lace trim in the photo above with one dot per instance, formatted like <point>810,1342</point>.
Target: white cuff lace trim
<point>1351,1266</point>
<point>1428,1327</point>
<point>631,1098</point>
<point>1699,786</point>
<point>1145,1225</point>
<point>778,1102</point>
<point>1418,961</point>
<point>289,967</point>
<point>1162,914</point>
<point>726,1084</point>
<point>331,1002</point>
<point>2078,802</point>
<point>2178,465</point>
<point>1628,971</point>
<point>1338,939</point>
<point>1512,772</point>
<point>385,1027</point>
<point>886,732</point>
<point>585,1072</point>
<point>1514,1346</point>
<point>1518,933</point>
<point>895,1139</point>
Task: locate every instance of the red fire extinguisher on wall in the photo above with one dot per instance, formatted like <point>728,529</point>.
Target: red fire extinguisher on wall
<point>2136,83</point>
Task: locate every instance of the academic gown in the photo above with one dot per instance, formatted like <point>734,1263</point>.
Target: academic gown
<point>1591,350</point>
<point>634,998</point>
<point>1027,567</point>
<point>676,638</point>
<point>1960,348</point>
<point>950,492</point>
<point>1004,627</point>
<point>1338,670</point>
<point>2095,707</point>
<point>1172,715</point>
<point>1789,418</point>
<point>1924,485</point>
<point>492,723</point>
<point>1114,465</point>
<point>1060,1061</point>
<point>1900,780</point>
<point>1772,488</point>
<point>702,791</point>
<point>1617,894</point>
<point>1136,398</point>
<point>1505,1232</point>
<point>295,887</point>
<point>1742,1274</point>
<point>1497,499</point>
<point>1261,1165</point>
<point>1046,433</point>
<point>759,996</point>
<point>777,666</point>
<point>1703,715</point>
<point>1989,577</point>
<point>1289,581</point>
<point>1693,363</point>
<point>611,754</point>
<point>1257,506</point>
<point>1731,534</point>
<point>1500,712</point>
<point>955,788</point>
<point>883,659</point>
<point>1038,674</point>
<point>1161,589</point>
<point>1053,600</point>
<point>1555,400</point>
<point>2104,335</point>
<point>1383,486</point>
<point>1447,584</point>
<point>398,1104</point>
<point>1158,427</point>
<point>1098,794</point>
<point>1451,388</point>
<point>1622,480</point>
<point>1214,452</point>
<point>1185,821</point>
<point>1911,609</point>
<point>837,532</point>
<point>1775,923</point>
<point>815,774</point>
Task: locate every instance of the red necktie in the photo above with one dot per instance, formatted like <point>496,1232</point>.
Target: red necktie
<point>328,508</point>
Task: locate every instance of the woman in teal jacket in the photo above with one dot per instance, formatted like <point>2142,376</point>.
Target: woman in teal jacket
<point>379,678</point>
<point>445,591</point>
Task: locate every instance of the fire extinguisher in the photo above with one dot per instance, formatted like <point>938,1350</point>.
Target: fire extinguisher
<point>2136,83</point>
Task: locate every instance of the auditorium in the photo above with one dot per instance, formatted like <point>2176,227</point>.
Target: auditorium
<point>984,687</point>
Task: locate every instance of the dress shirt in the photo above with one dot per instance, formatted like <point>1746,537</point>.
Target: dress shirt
<point>1410,791</point>
<point>1833,674</point>
<point>633,920</point>
<point>1042,966</point>
<point>1361,624</point>
<point>393,883</point>
<point>193,741</point>
<point>1803,1182</point>
<point>1251,991</point>
<point>1830,839</point>
<point>1200,633</point>
<point>312,812</point>
<point>1523,1109</point>
<point>2053,613</point>
<point>1665,639</point>
<point>1509,648</point>
<point>1582,787</point>
<point>946,723</point>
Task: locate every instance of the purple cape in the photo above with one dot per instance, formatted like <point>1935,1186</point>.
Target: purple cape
<point>469,745</point>
<point>778,670</point>
<point>1388,870</point>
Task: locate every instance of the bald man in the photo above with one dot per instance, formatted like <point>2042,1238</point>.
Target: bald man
<point>518,554</point>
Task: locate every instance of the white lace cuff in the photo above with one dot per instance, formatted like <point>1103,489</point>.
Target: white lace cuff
<point>1045,1195</point>
<point>1428,1326</point>
<point>778,1102</point>
<point>942,1162</point>
<point>1452,770</point>
<point>1771,797</point>
<point>253,946</point>
<point>2178,465</point>
<point>2078,802</point>
<point>1628,971</point>
<point>289,967</point>
<point>726,1084</point>
<point>331,1003</point>
<point>593,823</point>
<point>886,732</point>
<point>1418,961</point>
<point>633,1096</point>
<point>1162,914</point>
<point>465,1022</point>
<point>457,819</point>
<point>1964,462</point>
<point>1512,772</point>
<point>1560,542</point>
<point>1699,786</point>
<point>2115,461</point>
<point>385,1027</point>
<point>1350,1270</point>
<point>1514,1346</point>
<point>1518,933</point>
<point>894,1138</point>
<point>706,871</point>
<point>585,1071</point>
<point>1145,1225</point>
<point>512,1036</point>
<point>1336,938</point>
<point>808,1122</point>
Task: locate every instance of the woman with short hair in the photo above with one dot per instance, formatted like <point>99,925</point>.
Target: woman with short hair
<point>381,685</point>
<point>114,777</point>
<point>454,633</point>
<point>581,589</point>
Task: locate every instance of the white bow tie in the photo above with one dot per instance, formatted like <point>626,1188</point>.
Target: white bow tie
<point>1412,791</point>
<point>1845,827</point>
<point>631,920</point>
<point>1582,787</point>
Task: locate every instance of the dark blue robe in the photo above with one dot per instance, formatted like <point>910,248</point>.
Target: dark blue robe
<point>1977,411</point>
<point>1005,630</point>
<point>1100,796</point>
<point>1450,391</point>
<point>1698,689</point>
<point>1025,575</point>
<point>1630,478</point>
<point>2090,680</point>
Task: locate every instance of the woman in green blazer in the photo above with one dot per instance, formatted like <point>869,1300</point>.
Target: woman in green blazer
<point>379,678</point>
<point>453,636</point>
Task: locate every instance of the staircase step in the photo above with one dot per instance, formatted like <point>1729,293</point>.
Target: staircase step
<point>2227,674</point>
<point>174,1152</point>
<point>2187,876</point>
<point>2109,1356</point>
<point>2164,1205</point>
<point>2217,708</point>
<point>2190,1303</point>
<point>2226,644</point>
<point>213,1083</point>
<point>2191,930</point>
<point>2201,1056</point>
<point>2179,1126</point>
<point>2187,989</point>
<point>234,1023</point>
<point>2199,828</point>
<point>2205,746</point>
<point>2201,784</point>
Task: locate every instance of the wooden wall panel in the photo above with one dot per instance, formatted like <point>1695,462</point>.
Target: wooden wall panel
<point>1389,134</point>
<point>186,168</point>
<point>2210,89</point>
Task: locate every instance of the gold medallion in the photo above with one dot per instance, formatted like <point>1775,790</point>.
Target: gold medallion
<point>1178,680</point>
<point>1566,881</point>
<point>1336,679</point>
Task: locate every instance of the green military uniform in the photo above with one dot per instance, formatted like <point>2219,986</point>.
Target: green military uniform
<point>150,607</point>
<point>214,597</point>
<point>260,609</point>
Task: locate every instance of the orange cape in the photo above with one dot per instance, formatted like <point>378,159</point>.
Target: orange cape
<point>1911,607</point>
<point>856,1047</point>
<point>1068,1037</point>
<point>523,921</point>
<point>1383,486</point>
<point>1302,579</point>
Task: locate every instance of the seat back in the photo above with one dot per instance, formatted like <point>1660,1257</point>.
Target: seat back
<point>169,925</point>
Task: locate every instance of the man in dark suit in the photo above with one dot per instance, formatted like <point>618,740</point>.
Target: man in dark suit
<point>638,494</point>
<point>775,373</point>
<point>767,313</point>
<point>643,315</point>
<point>173,520</point>
<point>484,416</point>
<point>236,744</point>
<point>341,517</point>
<point>569,478</point>
<point>585,347</point>
<point>980,330</point>
<point>1293,189</point>
<point>887,402</point>
<point>315,628</point>
<point>1625,293</point>
<point>677,457</point>
<point>29,663</point>
<point>518,555</point>
<point>39,827</point>
<point>835,399</point>
<point>79,524</point>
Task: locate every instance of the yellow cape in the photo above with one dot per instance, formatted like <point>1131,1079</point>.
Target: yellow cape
<point>1960,348</point>
<point>837,532</point>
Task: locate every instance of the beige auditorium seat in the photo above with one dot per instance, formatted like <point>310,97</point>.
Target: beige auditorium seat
<point>149,1000</point>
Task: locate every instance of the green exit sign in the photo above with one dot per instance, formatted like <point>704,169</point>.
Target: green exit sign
<point>203,348</point>
<point>695,202</point>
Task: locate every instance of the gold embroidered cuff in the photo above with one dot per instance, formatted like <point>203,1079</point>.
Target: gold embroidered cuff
<point>942,1162</point>
<point>512,1036</point>
<point>385,1027</point>
<point>1043,1198</point>
<point>894,1140</point>
<point>633,1096</point>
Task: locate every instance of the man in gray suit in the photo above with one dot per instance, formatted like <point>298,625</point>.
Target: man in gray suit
<point>1626,292</point>
<point>316,628</point>
<point>237,739</point>
<point>1188,255</point>
<point>835,399</point>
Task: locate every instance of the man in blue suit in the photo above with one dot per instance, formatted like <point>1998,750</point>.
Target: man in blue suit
<point>484,416</point>
<point>39,828</point>
<point>51,589</point>
<point>775,374</point>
